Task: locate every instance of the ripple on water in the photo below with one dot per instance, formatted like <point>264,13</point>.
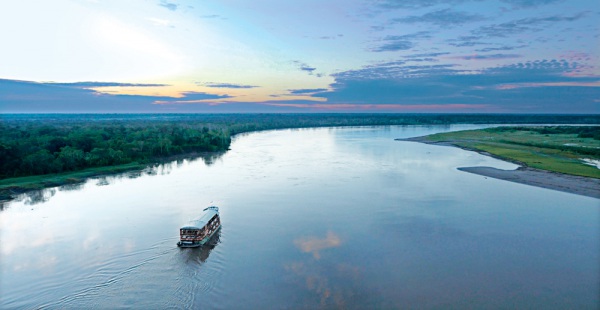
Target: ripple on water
<point>337,217</point>
<point>196,278</point>
<point>110,276</point>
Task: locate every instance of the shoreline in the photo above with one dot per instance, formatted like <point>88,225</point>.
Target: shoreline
<point>13,187</point>
<point>578,185</point>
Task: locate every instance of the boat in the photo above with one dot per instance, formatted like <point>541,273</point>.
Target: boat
<point>198,232</point>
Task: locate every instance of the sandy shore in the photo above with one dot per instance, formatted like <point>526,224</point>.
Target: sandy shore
<point>530,176</point>
<point>541,178</point>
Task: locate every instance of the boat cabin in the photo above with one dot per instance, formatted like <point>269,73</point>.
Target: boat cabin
<point>199,231</point>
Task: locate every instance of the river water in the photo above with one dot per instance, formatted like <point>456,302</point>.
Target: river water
<point>312,218</point>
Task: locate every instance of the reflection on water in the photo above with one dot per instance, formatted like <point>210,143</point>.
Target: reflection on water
<point>332,285</point>
<point>36,196</point>
<point>328,281</point>
<point>102,181</point>
<point>43,195</point>
<point>211,158</point>
<point>315,244</point>
<point>71,187</point>
<point>315,218</point>
<point>200,254</point>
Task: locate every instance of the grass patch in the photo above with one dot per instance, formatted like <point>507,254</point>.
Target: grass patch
<point>558,152</point>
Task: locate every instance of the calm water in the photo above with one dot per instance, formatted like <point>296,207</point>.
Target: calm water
<point>313,218</point>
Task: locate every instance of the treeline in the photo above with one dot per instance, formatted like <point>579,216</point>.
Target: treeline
<point>247,121</point>
<point>34,144</point>
<point>34,149</point>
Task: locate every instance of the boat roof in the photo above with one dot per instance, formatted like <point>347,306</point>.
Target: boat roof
<point>207,214</point>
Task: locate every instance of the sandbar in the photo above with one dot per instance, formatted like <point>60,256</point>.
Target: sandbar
<point>573,184</point>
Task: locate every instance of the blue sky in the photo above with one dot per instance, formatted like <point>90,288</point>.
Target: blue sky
<point>467,56</point>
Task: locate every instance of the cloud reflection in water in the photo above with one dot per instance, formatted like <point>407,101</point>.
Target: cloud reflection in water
<point>314,244</point>
<point>334,283</point>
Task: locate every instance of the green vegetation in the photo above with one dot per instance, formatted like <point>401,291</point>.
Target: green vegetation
<point>553,148</point>
<point>42,150</point>
<point>34,149</point>
<point>21,184</point>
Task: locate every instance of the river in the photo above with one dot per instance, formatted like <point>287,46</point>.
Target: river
<point>312,218</point>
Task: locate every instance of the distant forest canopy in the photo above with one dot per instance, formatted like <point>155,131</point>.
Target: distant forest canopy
<point>36,144</point>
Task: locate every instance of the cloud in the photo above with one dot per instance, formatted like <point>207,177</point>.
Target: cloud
<point>529,3</point>
<point>463,41</point>
<point>309,69</point>
<point>331,37</point>
<point>576,56</point>
<point>31,97</point>
<point>427,59</point>
<point>522,25</point>
<point>423,57</point>
<point>487,57</point>
<point>394,45</point>
<point>388,91</point>
<point>402,42</point>
<point>415,4</point>
<point>305,67</point>
<point>225,85</point>
<point>378,28</point>
<point>315,244</point>
<point>507,29</point>
<point>395,70</point>
<point>103,84</point>
<point>188,96</point>
<point>541,71</point>
<point>426,55</point>
<point>442,18</point>
<point>306,91</point>
<point>329,107</point>
<point>543,86</point>
<point>543,99</point>
<point>502,48</point>
<point>168,5</point>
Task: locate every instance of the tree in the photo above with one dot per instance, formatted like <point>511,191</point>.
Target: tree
<point>71,158</point>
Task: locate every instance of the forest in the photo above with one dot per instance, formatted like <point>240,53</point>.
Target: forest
<point>39,144</point>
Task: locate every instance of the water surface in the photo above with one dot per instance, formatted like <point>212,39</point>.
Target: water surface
<point>312,218</point>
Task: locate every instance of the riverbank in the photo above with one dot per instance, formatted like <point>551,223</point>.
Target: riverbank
<point>11,187</point>
<point>579,185</point>
<point>540,178</point>
<point>40,151</point>
<point>563,149</point>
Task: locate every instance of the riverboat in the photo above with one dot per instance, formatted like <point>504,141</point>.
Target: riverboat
<point>198,232</point>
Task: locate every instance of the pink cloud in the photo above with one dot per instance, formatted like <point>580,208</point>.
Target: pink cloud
<point>575,56</point>
<point>485,57</point>
<point>381,107</point>
<point>208,102</point>
<point>555,84</point>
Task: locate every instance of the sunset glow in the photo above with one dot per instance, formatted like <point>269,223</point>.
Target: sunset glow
<point>519,56</point>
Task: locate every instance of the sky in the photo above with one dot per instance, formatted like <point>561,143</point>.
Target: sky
<point>214,56</point>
